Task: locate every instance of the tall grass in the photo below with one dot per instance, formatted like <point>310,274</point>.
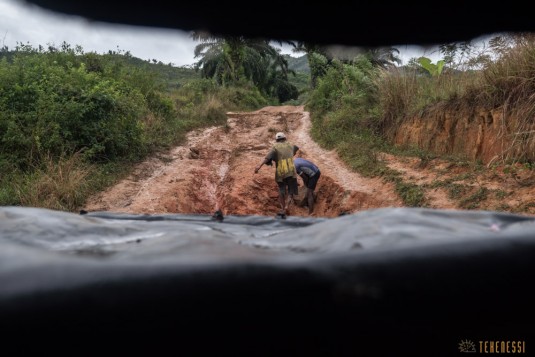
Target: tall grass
<point>60,184</point>
<point>510,83</point>
<point>406,92</point>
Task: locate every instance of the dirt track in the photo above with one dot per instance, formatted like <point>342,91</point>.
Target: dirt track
<point>215,170</point>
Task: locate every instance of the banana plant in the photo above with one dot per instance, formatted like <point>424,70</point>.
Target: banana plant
<point>433,69</point>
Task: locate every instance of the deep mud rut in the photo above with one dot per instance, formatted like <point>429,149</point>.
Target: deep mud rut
<point>215,170</point>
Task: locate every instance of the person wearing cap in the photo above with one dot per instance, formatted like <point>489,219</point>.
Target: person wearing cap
<point>282,152</point>
<point>310,174</point>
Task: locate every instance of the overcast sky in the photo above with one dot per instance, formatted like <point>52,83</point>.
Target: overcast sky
<point>24,23</point>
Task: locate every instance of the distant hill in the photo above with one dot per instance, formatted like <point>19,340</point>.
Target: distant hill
<point>174,76</point>
<point>302,72</point>
<point>298,64</point>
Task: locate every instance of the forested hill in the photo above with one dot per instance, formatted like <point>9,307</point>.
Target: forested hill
<point>173,76</point>
<point>298,64</point>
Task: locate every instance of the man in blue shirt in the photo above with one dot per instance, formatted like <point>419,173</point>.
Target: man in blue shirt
<point>310,174</point>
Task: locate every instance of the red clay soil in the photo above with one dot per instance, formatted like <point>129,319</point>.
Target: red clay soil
<point>215,170</point>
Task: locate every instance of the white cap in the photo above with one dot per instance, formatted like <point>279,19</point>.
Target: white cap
<point>280,135</point>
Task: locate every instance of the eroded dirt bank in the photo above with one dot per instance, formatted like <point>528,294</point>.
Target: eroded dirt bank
<point>479,134</point>
<point>215,170</point>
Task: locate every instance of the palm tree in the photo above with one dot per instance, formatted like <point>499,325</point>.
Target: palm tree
<point>215,61</point>
<point>384,57</point>
<point>230,59</point>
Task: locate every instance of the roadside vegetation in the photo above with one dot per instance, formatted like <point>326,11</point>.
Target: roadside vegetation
<point>357,104</point>
<point>73,123</point>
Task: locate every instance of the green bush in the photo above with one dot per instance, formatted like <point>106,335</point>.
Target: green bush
<point>50,105</point>
<point>344,114</point>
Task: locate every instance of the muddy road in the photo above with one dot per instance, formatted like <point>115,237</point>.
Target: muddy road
<point>215,170</point>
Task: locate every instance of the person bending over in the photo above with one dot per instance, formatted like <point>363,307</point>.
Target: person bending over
<point>310,174</point>
<point>282,153</point>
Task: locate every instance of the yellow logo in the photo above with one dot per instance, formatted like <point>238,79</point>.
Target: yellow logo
<point>499,346</point>
<point>502,346</point>
<point>467,346</point>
